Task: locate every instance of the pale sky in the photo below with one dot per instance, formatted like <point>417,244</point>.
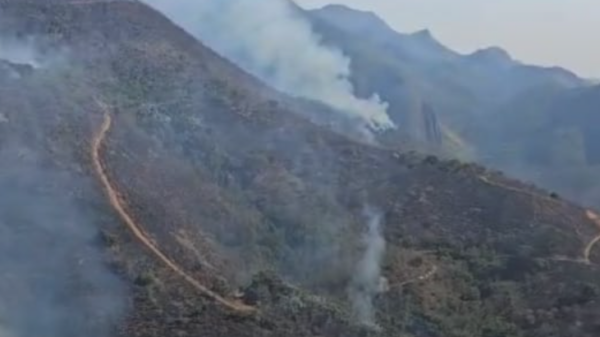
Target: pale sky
<point>545,32</point>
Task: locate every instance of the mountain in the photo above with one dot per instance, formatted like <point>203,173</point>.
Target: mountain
<point>413,70</point>
<point>549,136</point>
<point>376,70</point>
<point>152,188</point>
<point>579,109</point>
<point>534,122</point>
<point>419,46</point>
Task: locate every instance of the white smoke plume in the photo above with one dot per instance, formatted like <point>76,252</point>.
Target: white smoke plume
<point>367,282</point>
<point>269,39</point>
<point>19,51</point>
<point>27,52</point>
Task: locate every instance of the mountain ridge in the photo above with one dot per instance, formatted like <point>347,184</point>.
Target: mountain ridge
<point>410,73</point>
<point>371,21</point>
<point>481,101</point>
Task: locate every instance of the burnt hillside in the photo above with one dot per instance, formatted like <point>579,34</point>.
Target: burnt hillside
<point>255,202</point>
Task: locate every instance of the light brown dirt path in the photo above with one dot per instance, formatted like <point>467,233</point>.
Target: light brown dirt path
<point>119,206</point>
<point>588,249</point>
<point>488,181</point>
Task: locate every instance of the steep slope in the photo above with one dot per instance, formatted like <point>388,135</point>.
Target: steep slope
<point>253,202</point>
<point>579,109</point>
<point>377,70</point>
<point>549,136</point>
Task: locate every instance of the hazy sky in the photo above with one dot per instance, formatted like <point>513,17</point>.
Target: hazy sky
<point>547,32</point>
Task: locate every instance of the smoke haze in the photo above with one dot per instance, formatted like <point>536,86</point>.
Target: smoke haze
<point>270,40</point>
<point>53,277</point>
<point>367,278</point>
<point>53,281</point>
<point>18,52</point>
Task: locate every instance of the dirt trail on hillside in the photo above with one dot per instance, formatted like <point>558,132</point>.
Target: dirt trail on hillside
<point>117,203</point>
<point>588,249</point>
<point>517,190</point>
<point>589,214</point>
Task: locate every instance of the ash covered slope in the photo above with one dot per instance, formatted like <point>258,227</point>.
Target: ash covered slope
<point>228,181</point>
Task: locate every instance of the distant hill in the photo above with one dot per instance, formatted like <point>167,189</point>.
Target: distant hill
<point>413,70</point>
<point>534,122</point>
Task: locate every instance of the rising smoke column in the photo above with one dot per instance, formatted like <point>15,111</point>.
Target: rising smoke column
<point>367,281</point>
<point>269,39</point>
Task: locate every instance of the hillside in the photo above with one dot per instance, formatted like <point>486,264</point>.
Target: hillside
<point>152,188</point>
<point>549,136</point>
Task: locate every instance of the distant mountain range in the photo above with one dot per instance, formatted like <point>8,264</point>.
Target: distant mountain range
<point>482,101</point>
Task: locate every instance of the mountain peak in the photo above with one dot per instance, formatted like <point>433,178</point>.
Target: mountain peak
<point>494,55</point>
<point>348,17</point>
<point>348,11</point>
<point>423,34</point>
<point>425,42</point>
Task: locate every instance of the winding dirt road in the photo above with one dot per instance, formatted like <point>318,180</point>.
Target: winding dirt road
<point>588,249</point>
<point>490,182</point>
<point>117,203</point>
